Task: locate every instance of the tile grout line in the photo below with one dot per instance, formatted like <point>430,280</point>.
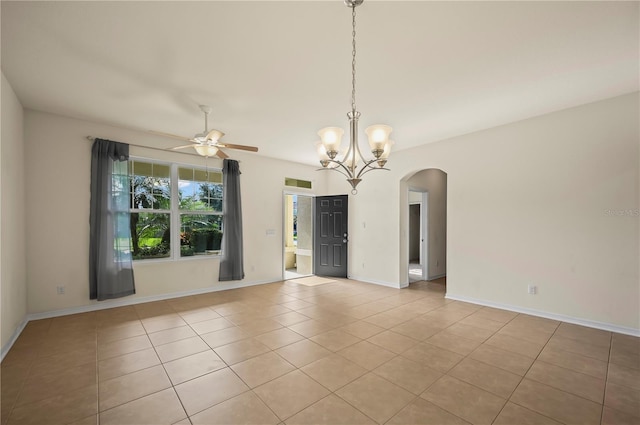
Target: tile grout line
<point>525,374</point>
<point>146,368</point>
<point>464,358</point>
<point>97,377</point>
<point>22,385</point>
<point>227,365</point>
<point>606,382</point>
<point>173,387</point>
<point>558,389</point>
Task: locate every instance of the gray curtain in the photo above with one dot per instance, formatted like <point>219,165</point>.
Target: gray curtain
<point>110,265</point>
<point>231,264</point>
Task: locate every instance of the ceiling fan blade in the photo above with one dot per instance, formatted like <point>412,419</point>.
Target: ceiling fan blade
<point>185,146</point>
<point>221,154</point>
<point>173,136</point>
<point>239,147</point>
<point>214,135</point>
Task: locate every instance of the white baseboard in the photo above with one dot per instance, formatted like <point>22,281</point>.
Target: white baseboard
<point>14,337</point>
<point>438,276</point>
<point>375,282</point>
<point>547,315</point>
<point>121,302</point>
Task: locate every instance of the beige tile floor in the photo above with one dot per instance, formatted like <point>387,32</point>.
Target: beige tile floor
<point>339,353</point>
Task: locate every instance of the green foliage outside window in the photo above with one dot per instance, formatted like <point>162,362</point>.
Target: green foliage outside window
<point>150,191</point>
<point>200,206</point>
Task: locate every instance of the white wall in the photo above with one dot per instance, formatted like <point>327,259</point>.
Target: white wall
<point>58,175</point>
<point>13,229</point>
<point>415,197</point>
<point>435,183</point>
<point>527,204</point>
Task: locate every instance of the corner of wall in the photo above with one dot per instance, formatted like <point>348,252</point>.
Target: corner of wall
<point>13,281</point>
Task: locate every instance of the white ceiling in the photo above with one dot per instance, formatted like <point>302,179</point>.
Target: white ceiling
<point>277,72</point>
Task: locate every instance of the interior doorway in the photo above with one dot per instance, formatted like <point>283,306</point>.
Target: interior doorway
<point>418,206</point>
<point>426,225</point>
<point>298,236</point>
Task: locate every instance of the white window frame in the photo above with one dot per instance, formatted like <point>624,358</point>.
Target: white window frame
<point>175,211</point>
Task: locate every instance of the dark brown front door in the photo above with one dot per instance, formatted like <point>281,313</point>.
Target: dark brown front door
<point>331,236</point>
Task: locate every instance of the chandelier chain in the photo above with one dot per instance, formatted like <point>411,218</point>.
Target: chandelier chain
<point>353,58</point>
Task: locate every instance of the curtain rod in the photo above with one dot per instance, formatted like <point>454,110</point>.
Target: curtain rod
<point>91,138</point>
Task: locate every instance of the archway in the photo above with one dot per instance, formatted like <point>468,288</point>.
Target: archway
<point>423,245</point>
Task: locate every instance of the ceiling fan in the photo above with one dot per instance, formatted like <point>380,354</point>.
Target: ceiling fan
<point>208,142</point>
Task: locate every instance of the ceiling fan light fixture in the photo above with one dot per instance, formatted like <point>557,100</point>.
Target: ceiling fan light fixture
<point>206,150</point>
<point>208,142</point>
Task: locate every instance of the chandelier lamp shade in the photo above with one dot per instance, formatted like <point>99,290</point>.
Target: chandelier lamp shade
<point>350,162</point>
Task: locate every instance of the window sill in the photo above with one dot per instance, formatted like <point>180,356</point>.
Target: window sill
<point>200,256</point>
<point>177,260</point>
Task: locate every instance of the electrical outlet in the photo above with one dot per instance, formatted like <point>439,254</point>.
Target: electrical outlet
<point>532,289</point>
<point>60,290</point>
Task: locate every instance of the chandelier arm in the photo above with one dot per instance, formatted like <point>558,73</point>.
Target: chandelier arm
<point>347,174</point>
<point>366,169</point>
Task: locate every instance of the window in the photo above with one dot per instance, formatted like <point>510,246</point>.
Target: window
<point>119,208</point>
<point>176,210</point>
<point>291,182</point>
<point>150,210</point>
<point>200,206</point>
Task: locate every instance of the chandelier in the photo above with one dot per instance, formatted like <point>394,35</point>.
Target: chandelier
<point>331,137</point>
